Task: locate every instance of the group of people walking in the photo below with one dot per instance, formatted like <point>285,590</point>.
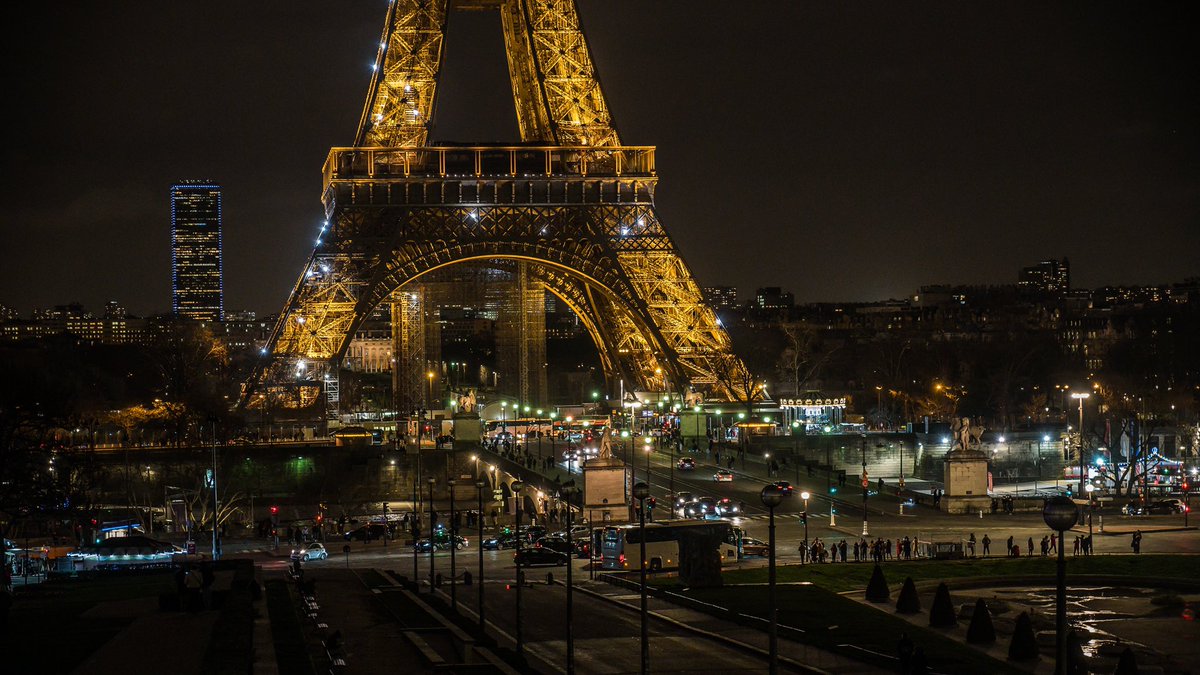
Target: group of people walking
<point>878,550</point>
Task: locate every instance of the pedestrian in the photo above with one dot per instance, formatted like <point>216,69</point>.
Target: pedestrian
<point>1045,546</point>
<point>1010,546</point>
<point>1054,543</point>
<point>987,545</point>
<point>1136,544</point>
<point>1030,546</point>
<point>1087,544</point>
<point>843,547</point>
<point>1078,544</point>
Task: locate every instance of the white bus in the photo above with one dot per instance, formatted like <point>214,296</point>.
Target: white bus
<point>621,544</point>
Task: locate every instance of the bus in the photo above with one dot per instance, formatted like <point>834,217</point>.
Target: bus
<point>620,544</point>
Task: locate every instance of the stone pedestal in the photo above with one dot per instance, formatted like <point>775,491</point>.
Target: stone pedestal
<point>468,430</point>
<point>966,475</point>
<point>606,491</point>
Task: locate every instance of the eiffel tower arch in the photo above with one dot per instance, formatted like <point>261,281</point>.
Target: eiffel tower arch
<point>570,209</point>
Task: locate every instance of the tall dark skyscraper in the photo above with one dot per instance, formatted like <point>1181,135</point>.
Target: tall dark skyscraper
<point>197,290</point>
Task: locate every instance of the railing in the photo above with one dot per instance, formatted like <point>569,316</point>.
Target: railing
<point>487,161</point>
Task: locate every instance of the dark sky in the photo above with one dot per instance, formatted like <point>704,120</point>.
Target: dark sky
<point>847,151</point>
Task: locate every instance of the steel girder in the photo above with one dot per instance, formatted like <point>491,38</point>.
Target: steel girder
<point>607,256</point>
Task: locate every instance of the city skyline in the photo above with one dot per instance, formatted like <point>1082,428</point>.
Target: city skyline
<point>1082,138</point>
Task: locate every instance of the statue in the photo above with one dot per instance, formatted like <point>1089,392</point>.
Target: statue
<point>693,399</point>
<point>466,403</point>
<point>966,436</point>
<point>605,451</point>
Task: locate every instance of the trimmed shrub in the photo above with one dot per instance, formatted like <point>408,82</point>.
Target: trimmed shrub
<point>941,615</point>
<point>981,631</point>
<point>909,602</point>
<point>1024,646</point>
<point>877,588</point>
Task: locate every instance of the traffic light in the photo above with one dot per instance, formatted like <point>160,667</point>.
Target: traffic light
<point>804,517</point>
<point>274,510</point>
<point>652,502</point>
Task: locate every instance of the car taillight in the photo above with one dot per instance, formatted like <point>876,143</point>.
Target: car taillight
<point>621,559</point>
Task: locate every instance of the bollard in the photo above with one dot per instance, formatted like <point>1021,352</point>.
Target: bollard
<point>901,508</point>
<point>981,514</point>
<point>549,578</point>
<point>1101,522</point>
<point>832,518</point>
<point>467,579</point>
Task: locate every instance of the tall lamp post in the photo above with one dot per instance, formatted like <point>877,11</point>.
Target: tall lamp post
<point>479,496</point>
<point>1082,473</point>
<point>453,545</point>
<point>1091,509</point>
<point>432,579</point>
<point>865,481</point>
<point>516,489</point>
<point>805,495</point>
<point>771,496</point>
<point>1060,514</point>
<point>641,491</point>
<point>568,492</point>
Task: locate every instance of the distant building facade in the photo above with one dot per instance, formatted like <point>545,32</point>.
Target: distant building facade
<point>721,297</point>
<point>197,290</point>
<point>1051,277</point>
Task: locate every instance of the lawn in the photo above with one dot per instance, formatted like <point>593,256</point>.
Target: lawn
<point>830,620</point>
<point>852,576</point>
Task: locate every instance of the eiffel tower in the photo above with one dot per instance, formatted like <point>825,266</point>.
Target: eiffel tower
<point>569,211</point>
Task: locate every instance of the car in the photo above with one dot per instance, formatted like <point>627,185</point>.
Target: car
<point>703,507</point>
<point>554,544</point>
<point>723,476</point>
<point>578,532</point>
<point>313,550</point>
<point>529,557</point>
<point>583,549</point>
<point>785,488</point>
<point>686,464</point>
<point>752,546</point>
<point>726,507</point>
<point>1168,507</point>
<point>533,532</point>
<point>499,542</point>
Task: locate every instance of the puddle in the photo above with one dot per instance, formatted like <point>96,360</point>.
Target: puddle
<point>1112,619</point>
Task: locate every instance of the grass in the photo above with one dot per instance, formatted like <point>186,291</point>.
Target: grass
<point>43,614</point>
<point>853,576</point>
<point>830,620</point>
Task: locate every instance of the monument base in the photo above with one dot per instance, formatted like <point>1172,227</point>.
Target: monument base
<point>468,429</point>
<point>966,475</point>
<point>606,491</point>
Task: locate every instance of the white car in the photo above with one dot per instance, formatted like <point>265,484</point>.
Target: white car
<point>723,476</point>
<point>311,551</point>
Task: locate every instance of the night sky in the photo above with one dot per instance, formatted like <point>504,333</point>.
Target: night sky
<point>847,151</point>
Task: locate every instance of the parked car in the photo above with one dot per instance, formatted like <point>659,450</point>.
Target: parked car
<point>313,550</point>
<point>686,464</point>
<point>723,476</point>
<point>752,546</point>
<point>540,556</point>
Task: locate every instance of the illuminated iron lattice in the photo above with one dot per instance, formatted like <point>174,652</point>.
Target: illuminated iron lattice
<point>574,209</point>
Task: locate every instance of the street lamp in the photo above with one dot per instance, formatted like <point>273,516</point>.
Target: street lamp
<point>805,495</point>
<point>640,492</point>
<point>1091,509</point>
<point>479,496</point>
<point>516,490</point>
<point>453,545</point>
<point>429,392</point>
<point>771,496</point>
<point>1060,514</point>
<point>432,579</point>
<point>865,481</point>
<point>568,491</point>
<point>1082,472</point>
